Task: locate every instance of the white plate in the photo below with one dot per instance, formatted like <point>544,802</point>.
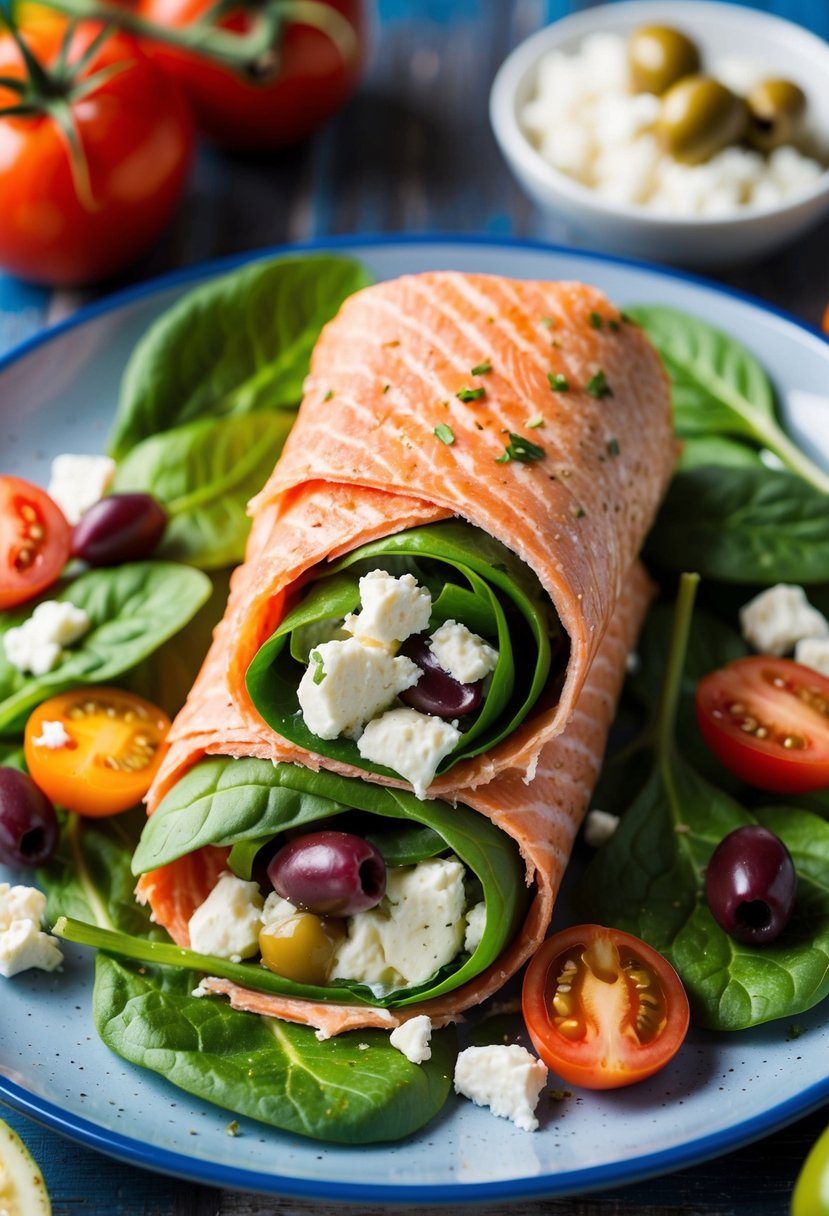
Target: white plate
<point>57,393</point>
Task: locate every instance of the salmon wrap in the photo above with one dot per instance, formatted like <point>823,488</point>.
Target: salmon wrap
<point>470,885</point>
<point>437,556</point>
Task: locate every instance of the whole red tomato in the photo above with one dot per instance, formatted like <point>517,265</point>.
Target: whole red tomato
<point>72,217</point>
<point>311,78</point>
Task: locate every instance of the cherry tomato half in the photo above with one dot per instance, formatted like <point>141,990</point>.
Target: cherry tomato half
<point>113,750</point>
<point>767,721</point>
<point>35,541</point>
<point>603,1008</point>
<point>311,82</point>
<point>134,140</point>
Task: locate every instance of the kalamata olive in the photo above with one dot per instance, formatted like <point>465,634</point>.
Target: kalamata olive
<point>119,528</point>
<point>329,873</point>
<point>750,884</point>
<point>436,692</point>
<point>776,109</point>
<point>659,56</point>
<point>699,116</point>
<point>28,824</point>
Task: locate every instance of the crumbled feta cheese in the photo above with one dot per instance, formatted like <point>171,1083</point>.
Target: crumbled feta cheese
<point>392,608</point>
<point>409,742</point>
<point>776,619</point>
<point>814,653</point>
<point>599,826</point>
<point>412,1038</point>
<point>277,909</point>
<point>227,924</point>
<point>462,654</point>
<point>507,1079</point>
<point>52,735</point>
<point>37,645</point>
<point>417,928</point>
<point>77,482</point>
<point>475,925</point>
<point>346,683</point>
<point>23,944</point>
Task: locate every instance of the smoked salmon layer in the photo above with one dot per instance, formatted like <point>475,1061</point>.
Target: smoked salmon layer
<point>440,549</point>
<point>469,884</point>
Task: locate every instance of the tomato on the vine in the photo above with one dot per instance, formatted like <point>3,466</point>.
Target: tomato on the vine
<point>310,79</point>
<point>35,541</point>
<point>91,170</point>
<point>603,1008</point>
<point>767,721</point>
<point>110,752</point>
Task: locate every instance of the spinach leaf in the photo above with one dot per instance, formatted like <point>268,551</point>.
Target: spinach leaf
<point>205,473</point>
<point>701,450</point>
<point>89,877</point>
<point>649,880</point>
<point>719,388</point>
<point>133,609</point>
<point>743,525</point>
<point>464,569</point>
<point>352,1089</point>
<point>11,754</point>
<point>237,344</point>
<point>245,802</point>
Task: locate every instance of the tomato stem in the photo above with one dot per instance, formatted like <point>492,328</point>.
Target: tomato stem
<point>253,53</point>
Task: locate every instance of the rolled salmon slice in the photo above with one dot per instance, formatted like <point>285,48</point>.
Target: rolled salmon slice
<point>483,360</point>
<point>541,810</point>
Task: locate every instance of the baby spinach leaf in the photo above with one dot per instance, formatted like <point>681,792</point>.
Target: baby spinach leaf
<point>352,1089</point>
<point>245,802</point>
<point>239,343</point>
<point>649,880</point>
<point>719,388</point>
<point>11,754</point>
<point>205,473</point>
<point>701,450</point>
<point>133,609</point>
<point>743,525</point>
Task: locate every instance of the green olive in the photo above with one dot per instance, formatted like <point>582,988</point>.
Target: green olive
<point>699,116</point>
<point>776,109</point>
<point>659,56</point>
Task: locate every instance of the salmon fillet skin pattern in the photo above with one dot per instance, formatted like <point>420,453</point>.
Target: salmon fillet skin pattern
<point>363,462</point>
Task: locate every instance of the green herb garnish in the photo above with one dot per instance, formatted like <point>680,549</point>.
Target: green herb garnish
<point>521,449</point>
<point>319,670</point>
<point>596,320</point>
<point>470,394</point>
<point>597,385</point>
<point>547,322</point>
<point>613,446</point>
<point>481,369</point>
<point>536,421</point>
<point>328,395</point>
<point>558,382</point>
<point>445,434</point>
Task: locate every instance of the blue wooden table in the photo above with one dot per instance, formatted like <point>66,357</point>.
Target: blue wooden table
<point>412,152</point>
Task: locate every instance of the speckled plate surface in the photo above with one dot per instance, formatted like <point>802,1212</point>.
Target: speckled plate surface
<point>57,393</point>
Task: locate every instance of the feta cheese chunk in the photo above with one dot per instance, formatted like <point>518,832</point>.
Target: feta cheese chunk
<point>392,608</point>
<point>77,482</point>
<point>277,909</point>
<point>416,929</point>
<point>475,925</point>
<point>53,735</point>
<point>508,1080</point>
<point>227,924</point>
<point>599,826</point>
<point>776,619</point>
<point>411,743</point>
<point>346,683</point>
<point>462,654</point>
<point>412,1038</point>
<point>23,944</point>
<point>37,645</point>
<point>814,653</point>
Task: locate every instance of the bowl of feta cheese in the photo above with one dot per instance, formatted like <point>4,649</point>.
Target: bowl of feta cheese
<point>687,131</point>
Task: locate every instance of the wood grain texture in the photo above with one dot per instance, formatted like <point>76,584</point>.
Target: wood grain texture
<point>412,152</point>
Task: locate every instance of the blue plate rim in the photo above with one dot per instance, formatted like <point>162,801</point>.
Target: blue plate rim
<point>136,1152</point>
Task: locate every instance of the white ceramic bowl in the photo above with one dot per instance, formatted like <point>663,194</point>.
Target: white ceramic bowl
<point>719,30</point>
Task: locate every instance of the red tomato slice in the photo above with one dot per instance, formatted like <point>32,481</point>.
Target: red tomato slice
<point>113,750</point>
<point>767,720</point>
<point>603,1008</point>
<point>35,541</point>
